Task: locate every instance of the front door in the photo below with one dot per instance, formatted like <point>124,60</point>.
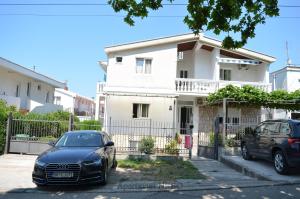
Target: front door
<point>186,118</point>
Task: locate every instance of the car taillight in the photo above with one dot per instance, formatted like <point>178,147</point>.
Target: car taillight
<point>294,143</point>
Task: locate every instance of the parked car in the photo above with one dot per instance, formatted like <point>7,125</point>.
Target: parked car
<point>274,140</point>
<point>78,157</point>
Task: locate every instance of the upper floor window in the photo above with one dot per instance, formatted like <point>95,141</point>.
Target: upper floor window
<point>57,100</point>
<point>140,110</point>
<point>47,97</point>
<point>119,59</point>
<point>183,74</point>
<point>39,87</point>
<point>18,91</point>
<point>28,89</point>
<point>225,74</point>
<point>143,65</point>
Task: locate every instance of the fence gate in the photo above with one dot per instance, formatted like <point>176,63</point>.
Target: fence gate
<point>33,136</point>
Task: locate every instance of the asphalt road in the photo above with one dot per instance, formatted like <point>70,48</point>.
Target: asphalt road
<point>268,192</point>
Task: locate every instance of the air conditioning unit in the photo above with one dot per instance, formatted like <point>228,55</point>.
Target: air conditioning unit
<point>180,55</point>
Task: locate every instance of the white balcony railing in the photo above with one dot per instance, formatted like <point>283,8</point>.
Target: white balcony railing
<point>100,86</point>
<point>202,86</point>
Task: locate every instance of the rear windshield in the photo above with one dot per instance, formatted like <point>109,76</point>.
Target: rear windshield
<point>296,129</point>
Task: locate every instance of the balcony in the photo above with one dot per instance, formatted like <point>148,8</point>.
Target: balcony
<point>204,87</point>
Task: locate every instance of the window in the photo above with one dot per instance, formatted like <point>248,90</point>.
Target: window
<point>285,128</point>
<point>39,87</point>
<point>28,89</point>
<point>180,55</point>
<point>140,110</point>
<point>47,97</point>
<point>225,74</point>
<point>18,91</point>
<point>119,59</point>
<point>273,127</point>
<point>58,100</point>
<point>183,74</point>
<point>143,65</point>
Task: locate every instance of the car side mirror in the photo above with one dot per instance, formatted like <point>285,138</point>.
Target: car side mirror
<point>51,143</point>
<point>110,143</point>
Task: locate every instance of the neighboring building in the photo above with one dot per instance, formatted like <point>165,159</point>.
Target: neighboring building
<point>287,78</point>
<point>81,106</point>
<point>166,79</point>
<point>26,89</point>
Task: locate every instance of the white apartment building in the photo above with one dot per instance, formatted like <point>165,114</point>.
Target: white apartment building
<point>166,79</point>
<point>26,89</point>
<point>81,106</point>
<point>287,78</point>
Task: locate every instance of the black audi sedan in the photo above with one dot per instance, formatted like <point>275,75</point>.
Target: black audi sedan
<point>274,140</point>
<point>78,157</point>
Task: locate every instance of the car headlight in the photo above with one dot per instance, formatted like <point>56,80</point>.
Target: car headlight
<point>40,163</point>
<point>93,162</point>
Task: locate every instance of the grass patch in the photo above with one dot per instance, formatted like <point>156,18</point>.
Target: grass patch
<point>163,169</point>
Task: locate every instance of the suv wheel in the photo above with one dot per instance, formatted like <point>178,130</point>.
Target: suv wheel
<point>245,152</point>
<point>280,164</point>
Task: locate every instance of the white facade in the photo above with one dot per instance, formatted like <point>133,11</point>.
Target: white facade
<point>75,103</point>
<point>183,69</point>
<point>26,89</point>
<point>287,78</point>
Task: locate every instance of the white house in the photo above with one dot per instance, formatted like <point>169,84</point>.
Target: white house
<point>287,78</point>
<point>26,89</point>
<point>166,79</point>
<point>81,106</point>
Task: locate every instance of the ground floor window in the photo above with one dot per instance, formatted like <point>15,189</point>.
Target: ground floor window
<point>140,110</point>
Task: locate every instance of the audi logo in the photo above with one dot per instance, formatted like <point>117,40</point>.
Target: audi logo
<point>62,166</point>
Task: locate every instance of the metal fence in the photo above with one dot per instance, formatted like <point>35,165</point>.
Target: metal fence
<point>128,136</point>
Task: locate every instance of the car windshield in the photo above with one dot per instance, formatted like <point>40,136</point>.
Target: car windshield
<point>85,139</point>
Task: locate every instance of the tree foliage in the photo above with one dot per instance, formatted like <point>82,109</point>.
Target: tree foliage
<point>229,16</point>
<point>251,96</point>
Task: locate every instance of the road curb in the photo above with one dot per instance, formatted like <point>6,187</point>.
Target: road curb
<point>196,188</point>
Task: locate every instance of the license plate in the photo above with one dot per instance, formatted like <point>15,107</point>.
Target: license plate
<point>62,175</point>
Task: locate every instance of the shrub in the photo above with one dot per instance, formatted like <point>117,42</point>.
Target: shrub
<point>172,147</point>
<point>147,145</point>
<point>90,125</point>
<point>212,139</point>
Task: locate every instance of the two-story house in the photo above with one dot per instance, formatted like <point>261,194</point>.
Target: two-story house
<point>83,107</point>
<point>287,78</point>
<point>26,89</point>
<point>166,79</point>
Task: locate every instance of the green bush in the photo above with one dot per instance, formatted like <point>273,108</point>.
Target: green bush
<point>147,145</point>
<point>172,147</point>
<point>89,125</point>
<point>212,139</point>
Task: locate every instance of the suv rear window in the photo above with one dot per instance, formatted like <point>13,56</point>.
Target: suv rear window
<point>296,132</point>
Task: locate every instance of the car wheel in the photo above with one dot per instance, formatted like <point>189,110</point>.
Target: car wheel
<point>115,163</point>
<point>280,164</point>
<point>104,175</point>
<point>245,152</point>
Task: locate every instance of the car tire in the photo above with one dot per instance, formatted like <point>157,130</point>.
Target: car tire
<point>104,175</point>
<point>115,162</point>
<point>245,152</point>
<point>280,164</point>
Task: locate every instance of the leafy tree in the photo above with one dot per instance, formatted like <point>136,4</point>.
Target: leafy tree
<point>229,16</point>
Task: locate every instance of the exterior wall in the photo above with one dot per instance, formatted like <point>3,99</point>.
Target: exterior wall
<point>120,107</point>
<point>279,81</point>
<point>84,106</point>
<point>203,64</point>
<point>187,63</point>
<point>293,82</point>
<point>67,101</point>
<point>163,69</point>
<point>8,85</point>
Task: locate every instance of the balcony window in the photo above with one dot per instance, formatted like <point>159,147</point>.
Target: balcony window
<point>18,91</point>
<point>143,65</point>
<point>183,74</point>
<point>140,111</point>
<point>47,97</point>
<point>225,74</point>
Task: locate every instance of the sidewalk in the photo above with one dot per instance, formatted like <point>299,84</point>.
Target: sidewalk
<point>259,169</point>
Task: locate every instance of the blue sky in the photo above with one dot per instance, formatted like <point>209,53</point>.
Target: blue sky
<point>68,47</point>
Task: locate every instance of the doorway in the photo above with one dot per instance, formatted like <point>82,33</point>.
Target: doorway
<point>186,118</point>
